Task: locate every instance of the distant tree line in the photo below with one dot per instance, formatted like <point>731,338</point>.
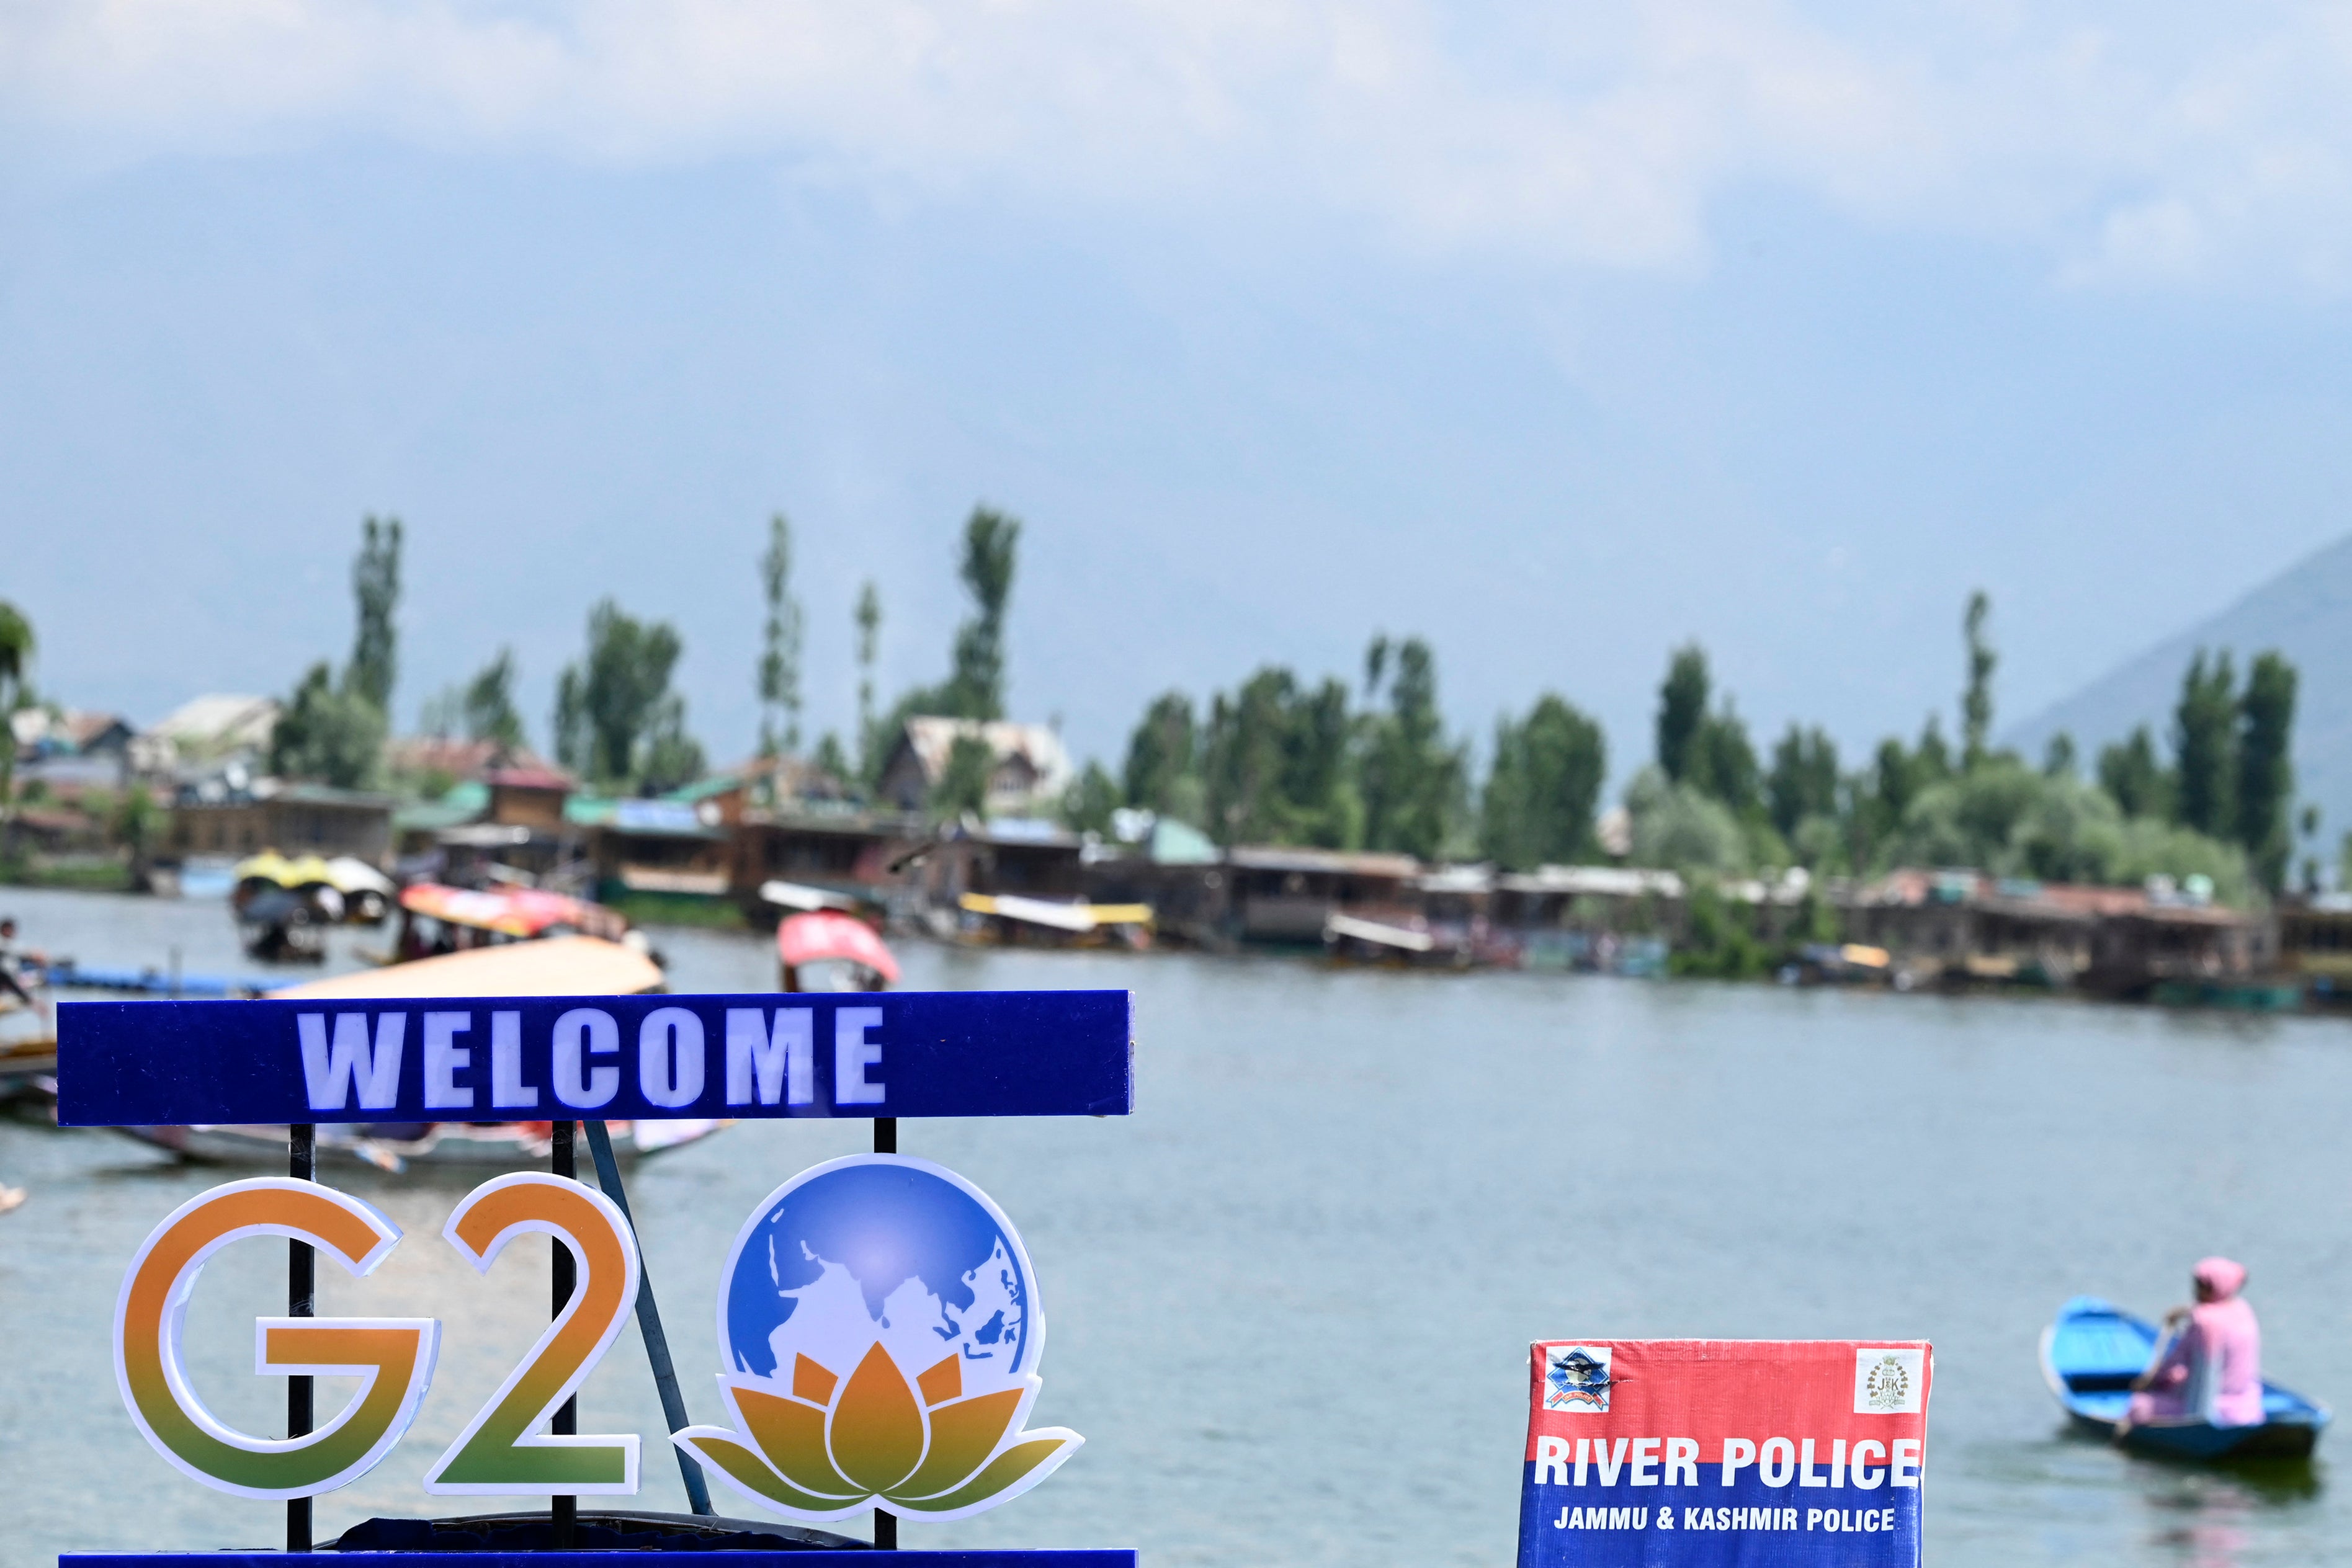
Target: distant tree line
<point>1278,761</point>
<point>1372,765</point>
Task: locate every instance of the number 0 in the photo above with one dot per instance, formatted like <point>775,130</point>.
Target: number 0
<point>500,1451</point>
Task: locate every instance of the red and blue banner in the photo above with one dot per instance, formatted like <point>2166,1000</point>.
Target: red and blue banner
<point>1725,1453</point>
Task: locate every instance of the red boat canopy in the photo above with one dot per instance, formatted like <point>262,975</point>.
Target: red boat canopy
<point>514,911</point>
<point>824,937</point>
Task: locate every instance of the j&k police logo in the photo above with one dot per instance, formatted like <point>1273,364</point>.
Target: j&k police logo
<point>881,1329</point>
<point>1576,1377</point>
<point>1886,1382</point>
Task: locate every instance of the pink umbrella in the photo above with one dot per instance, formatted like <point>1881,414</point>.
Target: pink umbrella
<point>826,936</point>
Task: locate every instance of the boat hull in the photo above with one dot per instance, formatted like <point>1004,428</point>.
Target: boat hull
<point>2089,1356</point>
<point>502,1146</point>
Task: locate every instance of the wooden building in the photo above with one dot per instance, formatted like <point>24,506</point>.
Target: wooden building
<point>292,819</point>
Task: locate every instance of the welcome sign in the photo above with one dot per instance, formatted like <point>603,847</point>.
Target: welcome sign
<point>1008,1053</point>
<point>881,1322</point>
<point>1754,1453</point>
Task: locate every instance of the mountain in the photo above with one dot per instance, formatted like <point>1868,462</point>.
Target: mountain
<point>2305,612</point>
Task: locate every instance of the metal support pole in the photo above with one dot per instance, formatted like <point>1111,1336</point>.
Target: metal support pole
<point>301,1301</point>
<point>649,1326</point>
<point>564,1512</point>
<point>886,1523</point>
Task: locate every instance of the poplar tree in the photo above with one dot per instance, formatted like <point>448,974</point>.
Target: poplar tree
<point>375,584</point>
<point>779,653</point>
<point>2266,781</point>
<point>2204,737</point>
<point>1976,701</point>
<point>975,687</point>
<point>1804,779</point>
<point>869,644</point>
<point>1158,753</point>
<point>1682,710</point>
<point>616,720</point>
<point>1542,787</point>
<point>2134,777</point>
<point>489,703</point>
<point>15,667</point>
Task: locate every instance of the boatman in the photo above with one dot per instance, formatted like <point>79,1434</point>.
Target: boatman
<point>9,983</point>
<point>2209,1366</point>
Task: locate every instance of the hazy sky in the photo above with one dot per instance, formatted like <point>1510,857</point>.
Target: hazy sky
<point>1558,334</point>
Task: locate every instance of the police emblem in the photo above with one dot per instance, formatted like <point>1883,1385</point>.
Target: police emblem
<point>1576,1377</point>
<point>1886,1382</point>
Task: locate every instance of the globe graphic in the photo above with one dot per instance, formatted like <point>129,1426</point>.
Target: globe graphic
<point>888,1250</point>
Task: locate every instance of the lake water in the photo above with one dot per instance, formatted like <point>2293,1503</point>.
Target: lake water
<point>1290,1297</point>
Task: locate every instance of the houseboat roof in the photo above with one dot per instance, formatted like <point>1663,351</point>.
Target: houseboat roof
<point>560,966</point>
<point>1331,863</point>
<point>1606,880</point>
<point>512,912</point>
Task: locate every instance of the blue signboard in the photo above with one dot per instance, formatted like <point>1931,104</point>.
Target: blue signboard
<point>652,1058</point>
<point>733,1558</point>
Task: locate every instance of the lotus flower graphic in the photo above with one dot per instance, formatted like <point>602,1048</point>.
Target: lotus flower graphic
<point>881,1320</point>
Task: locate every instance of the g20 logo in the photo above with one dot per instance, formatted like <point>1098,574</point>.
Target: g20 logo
<point>878,1315</point>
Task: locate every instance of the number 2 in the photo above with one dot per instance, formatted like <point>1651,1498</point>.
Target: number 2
<point>499,1451</point>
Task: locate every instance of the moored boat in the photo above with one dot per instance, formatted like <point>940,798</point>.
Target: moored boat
<point>827,950</point>
<point>2095,1350</point>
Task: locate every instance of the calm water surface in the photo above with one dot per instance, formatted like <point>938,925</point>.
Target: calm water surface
<point>1289,1298</point>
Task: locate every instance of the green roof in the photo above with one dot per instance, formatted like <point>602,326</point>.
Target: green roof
<point>703,789</point>
<point>462,804</point>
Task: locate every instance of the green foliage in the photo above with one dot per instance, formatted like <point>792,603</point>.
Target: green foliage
<point>1719,943</point>
<point>1723,762</point>
<point>1678,827</point>
<point>1706,749</point>
<point>1682,709</point>
<point>333,736</point>
<point>2058,757</point>
<point>975,687</point>
<point>2204,728</point>
<point>1092,797</point>
<point>1273,763</point>
<point>2133,777</point>
<point>1538,806</point>
<point>975,684</point>
<point>869,644</point>
<point>2011,820</point>
<point>963,783</point>
<point>136,822</point>
<point>833,760</point>
<point>670,758</point>
<point>1160,754</point>
<point>2265,782</point>
<point>15,656</point>
<point>617,723</point>
<point>489,706</point>
<point>15,665</point>
<point>375,584</point>
<point>780,646</point>
<point>1976,701</point>
<point>1804,779</point>
<point>1415,785</point>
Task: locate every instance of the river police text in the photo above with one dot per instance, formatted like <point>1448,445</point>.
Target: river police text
<point>1855,1520</point>
<point>1777,1462</point>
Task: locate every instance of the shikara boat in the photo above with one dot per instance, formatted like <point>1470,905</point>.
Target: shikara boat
<point>2095,1350</point>
<point>437,920</point>
<point>553,967</point>
<point>827,950</point>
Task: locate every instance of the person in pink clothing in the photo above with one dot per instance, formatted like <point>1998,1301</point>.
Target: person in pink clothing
<point>2210,1368</point>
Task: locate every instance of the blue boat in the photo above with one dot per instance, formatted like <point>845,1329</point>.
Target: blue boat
<point>2095,1350</point>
